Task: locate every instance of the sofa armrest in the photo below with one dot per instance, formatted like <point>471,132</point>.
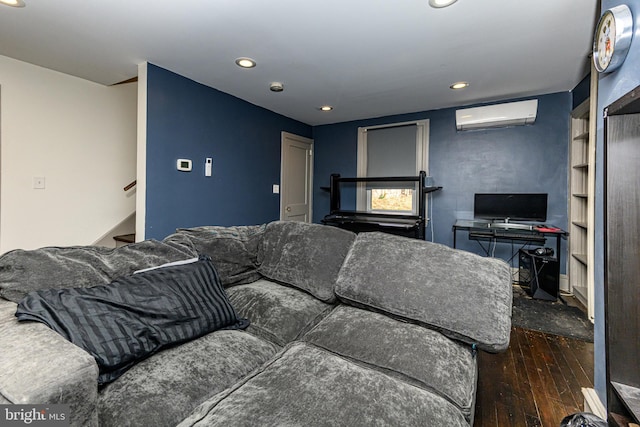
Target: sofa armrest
<point>39,366</point>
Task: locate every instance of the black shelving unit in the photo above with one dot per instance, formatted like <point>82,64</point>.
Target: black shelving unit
<point>621,253</point>
<point>360,221</point>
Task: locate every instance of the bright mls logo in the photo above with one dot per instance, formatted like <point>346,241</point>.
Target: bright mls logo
<point>34,415</point>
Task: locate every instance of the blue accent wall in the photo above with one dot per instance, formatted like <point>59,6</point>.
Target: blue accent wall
<point>611,86</point>
<point>524,159</point>
<point>190,120</point>
<point>186,119</point>
<point>582,91</point>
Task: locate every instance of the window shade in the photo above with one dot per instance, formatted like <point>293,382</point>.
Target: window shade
<point>391,151</point>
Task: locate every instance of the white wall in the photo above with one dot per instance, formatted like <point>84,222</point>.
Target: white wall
<point>141,200</point>
<point>81,137</point>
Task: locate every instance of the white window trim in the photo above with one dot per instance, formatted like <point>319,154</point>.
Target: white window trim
<point>422,155</point>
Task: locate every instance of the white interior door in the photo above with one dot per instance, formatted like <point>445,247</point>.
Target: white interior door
<point>296,178</point>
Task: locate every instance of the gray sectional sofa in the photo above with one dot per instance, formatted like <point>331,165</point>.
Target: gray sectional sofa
<point>343,330</point>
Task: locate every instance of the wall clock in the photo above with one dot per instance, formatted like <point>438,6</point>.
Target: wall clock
<point>612,39</point>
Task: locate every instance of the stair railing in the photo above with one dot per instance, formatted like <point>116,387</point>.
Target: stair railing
<point>131,185</point>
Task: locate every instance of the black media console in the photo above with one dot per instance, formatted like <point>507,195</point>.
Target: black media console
<point>412,225</point>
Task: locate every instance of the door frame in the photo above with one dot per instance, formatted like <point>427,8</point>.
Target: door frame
<point>1,218</point>
<point>283,136</point>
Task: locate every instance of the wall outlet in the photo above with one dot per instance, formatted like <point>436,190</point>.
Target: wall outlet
<point>38,182</point>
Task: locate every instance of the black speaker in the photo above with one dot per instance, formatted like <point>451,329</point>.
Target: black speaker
<point>539,274</point>
<point>544,251</point>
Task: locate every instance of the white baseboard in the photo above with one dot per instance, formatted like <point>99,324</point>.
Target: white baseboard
<point>564,283</point>
<point>593,404</point>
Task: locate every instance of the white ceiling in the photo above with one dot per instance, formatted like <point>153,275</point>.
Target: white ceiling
<point>367,58</point>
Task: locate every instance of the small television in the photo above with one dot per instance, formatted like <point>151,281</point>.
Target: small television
<point>510,206</point>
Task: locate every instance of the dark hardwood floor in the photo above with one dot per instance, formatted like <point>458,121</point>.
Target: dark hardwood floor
<point>536,382</point>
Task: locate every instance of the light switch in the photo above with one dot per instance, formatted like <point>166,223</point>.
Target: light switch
<point>38,182</point>
<point>276,189</point>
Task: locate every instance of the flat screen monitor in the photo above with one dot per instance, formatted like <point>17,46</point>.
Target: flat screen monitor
<point>510,206</point>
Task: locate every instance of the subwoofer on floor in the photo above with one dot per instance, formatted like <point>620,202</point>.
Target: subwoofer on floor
<point>539,274</point>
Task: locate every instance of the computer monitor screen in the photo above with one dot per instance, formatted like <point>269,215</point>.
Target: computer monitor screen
<point>511,206</point>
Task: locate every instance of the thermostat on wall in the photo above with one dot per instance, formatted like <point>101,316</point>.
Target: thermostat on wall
<point>184,165</point>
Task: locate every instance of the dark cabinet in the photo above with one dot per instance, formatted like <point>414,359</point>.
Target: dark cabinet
<point>622,254</point>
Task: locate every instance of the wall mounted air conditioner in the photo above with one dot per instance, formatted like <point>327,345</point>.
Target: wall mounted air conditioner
<point>497,115</point>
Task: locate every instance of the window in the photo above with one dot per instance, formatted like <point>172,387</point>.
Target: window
<point>398,149</point>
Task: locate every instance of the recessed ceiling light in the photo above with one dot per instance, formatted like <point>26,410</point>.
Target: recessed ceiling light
<point>326,108</point>
<point>441,3</point>
<point>459,85</point>
<point>245,62</point>
<point>276,87</point>
<point>13,3</point>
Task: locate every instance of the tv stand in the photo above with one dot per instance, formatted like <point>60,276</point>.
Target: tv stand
<point>410,225</point>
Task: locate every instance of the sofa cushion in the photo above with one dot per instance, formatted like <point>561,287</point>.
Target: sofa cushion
<point>307,256</point>
<point>278,313</point>
<point>234,250</point>
<point>306,385</point>
<point>406,351</point>
<point>136,315</point>
<point>461,294</point>
<point>39,366</point>
<point>24,271</point>
<point>163,389</point>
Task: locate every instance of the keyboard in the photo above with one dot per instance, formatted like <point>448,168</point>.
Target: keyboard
<point>501,234</point>
<point>510,225</point>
